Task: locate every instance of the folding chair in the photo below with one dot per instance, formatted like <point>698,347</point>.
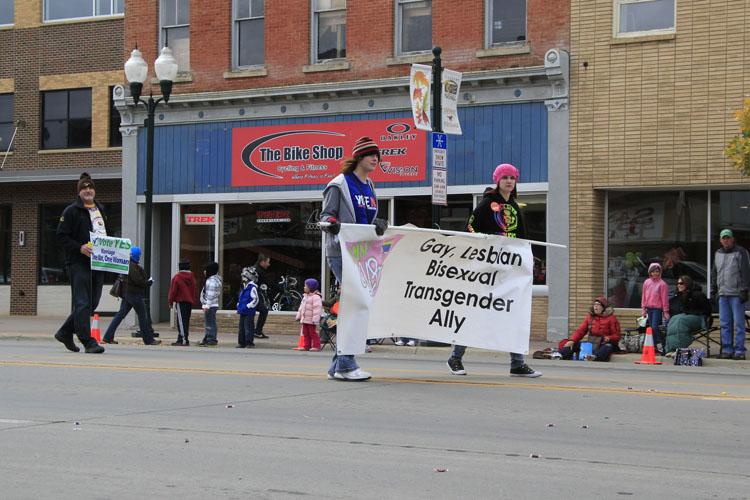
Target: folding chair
<point>703,336</point>
<point>328,331</point>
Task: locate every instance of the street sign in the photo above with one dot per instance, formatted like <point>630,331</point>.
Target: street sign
<point>439,169</point>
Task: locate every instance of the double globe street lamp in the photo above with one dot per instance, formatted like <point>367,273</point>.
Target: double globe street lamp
<point>136,72</point>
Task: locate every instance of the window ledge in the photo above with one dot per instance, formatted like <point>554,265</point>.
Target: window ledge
<point>76,150</point>
<point>334,65</point>
<point>619,40</point>
<point>246,72</point>
<point>424,57</point>
<point>506,49</point>
<point>76,20</point>
<point>6,27</point>
<point>9,153</point>
<point>182,77</point>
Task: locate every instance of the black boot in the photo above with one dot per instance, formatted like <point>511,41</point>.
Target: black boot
<point>67,341</point>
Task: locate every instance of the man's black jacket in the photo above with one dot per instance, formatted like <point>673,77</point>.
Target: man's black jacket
<point>73,230</point>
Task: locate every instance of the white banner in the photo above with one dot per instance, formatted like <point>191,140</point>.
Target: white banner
<point>110,254</point>
<point>449,101</point>
<point>472,290</point>
<point>420,90</point>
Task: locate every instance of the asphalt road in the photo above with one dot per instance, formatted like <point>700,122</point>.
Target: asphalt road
<point>156,422</point>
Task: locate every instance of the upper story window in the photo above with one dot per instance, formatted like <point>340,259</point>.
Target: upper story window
<point>413,26</point>
<point>175,30</point>
<point>115,137</point>
<point>329,29</point>
<point>6,12</point>
<point>644,17</point>
<point>55,10</point>
<point>506,21</point>
<point>66,115</point>
<point>249,27</point>
<point>6,121</point>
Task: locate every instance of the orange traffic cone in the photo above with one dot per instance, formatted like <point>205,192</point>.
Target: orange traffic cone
<point>96,334</point>
<point>301,344</point>
<point>649,353</point>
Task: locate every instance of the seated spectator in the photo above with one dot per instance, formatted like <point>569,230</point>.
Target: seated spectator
<point>689,312</point>
<point>600,327</point>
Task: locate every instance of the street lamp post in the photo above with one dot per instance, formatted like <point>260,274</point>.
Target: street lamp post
<point>136,72</point>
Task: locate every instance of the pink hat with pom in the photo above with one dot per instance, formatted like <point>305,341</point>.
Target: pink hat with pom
<point>504,169</point>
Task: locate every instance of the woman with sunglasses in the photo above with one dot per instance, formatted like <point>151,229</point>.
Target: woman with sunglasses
<point>689,311</point>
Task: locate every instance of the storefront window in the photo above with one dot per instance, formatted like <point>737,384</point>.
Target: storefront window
<point>197,239</point>
<point>730,209</point>
<point>5,238</point>
<point>534,209</point>
<point>665,227</point>
<point>51,256</point>
<point>288,233</point>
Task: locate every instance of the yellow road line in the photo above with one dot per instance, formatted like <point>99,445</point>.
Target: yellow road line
<point>467,383</point>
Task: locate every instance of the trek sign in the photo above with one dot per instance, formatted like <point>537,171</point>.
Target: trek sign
<point>312,153</point>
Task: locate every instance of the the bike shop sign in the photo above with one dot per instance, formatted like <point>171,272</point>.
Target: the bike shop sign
<point>286,155</point>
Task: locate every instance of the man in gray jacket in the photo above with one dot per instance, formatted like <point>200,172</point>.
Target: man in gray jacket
<point>730,280</point>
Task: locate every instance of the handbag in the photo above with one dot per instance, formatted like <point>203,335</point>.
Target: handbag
<point>116,290</point>
<point>632,341</point>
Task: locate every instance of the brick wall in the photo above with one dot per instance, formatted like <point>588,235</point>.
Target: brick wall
<point>458,27</point>
<point>649,112</point>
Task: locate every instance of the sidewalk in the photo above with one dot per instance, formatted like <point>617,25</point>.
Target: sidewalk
<point>43,328</point>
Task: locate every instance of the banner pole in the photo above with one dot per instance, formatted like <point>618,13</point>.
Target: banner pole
<point>451,233</point>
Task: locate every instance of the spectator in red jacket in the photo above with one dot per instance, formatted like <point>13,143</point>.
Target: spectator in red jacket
<point>600,327</point>
<point>182,292</point>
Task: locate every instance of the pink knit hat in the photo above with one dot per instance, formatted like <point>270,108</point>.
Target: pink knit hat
<point>504,169</point>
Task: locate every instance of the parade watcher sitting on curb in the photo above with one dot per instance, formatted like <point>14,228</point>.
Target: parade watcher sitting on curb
<point>600,327</point>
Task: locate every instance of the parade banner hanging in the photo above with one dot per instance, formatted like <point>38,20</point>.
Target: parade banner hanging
<point>472,290</point>
<point>288,155</point>
<point>110,254</point>
<point>449,101</point>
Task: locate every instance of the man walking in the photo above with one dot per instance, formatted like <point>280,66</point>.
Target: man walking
<point>730,280</point>
<point>78,219</point>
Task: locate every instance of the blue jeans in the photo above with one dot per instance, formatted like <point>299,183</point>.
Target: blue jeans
<point>209,316</point>
<point>655,319</point>
<point>246,331</point>
<point>516,359</point>
<point>345,362</point>
<point>86,290</point>
<point>732,313</point>
<point>127,303</point>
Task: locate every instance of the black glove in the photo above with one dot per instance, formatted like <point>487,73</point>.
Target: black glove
<point>743,296</point>
<point>335,226</point>
<point>380,226</point>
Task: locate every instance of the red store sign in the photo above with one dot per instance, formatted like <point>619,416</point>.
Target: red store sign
<point>200,219</point>
<point>313,153</point>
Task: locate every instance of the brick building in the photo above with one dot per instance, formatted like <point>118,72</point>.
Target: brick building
<point>253,68</point>
<point>61,61</point>
<point>654,85</point>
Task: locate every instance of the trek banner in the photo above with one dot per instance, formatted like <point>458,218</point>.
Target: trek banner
<point>110,254</point>
<point>472,290</point>
<point>312,153</point>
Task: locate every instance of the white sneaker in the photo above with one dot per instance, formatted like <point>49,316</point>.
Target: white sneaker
<point>399,342</point>
<point>353,376</point>
<point>411,343</point>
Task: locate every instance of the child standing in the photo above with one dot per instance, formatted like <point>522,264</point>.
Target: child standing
<point>182,293</point>
<point>210,302</point>
<point>655,303</point>
<point>309,315</point>
<point>246,305</point>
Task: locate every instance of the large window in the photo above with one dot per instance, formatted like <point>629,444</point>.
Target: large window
<point>644,16</point>
<point>730,210</point>
<point>67,119</point>
<point>413,26</point>
<point>288,233</point>
<point>329,29</point>
<point>6,12</point>
<point>5,238</point>
<point>249,47</point>
<point>51,256</point>
<point>6,121</point>
<point>115,137</point>
<point>175,30</point>
<point>669,228</point>
<point>506,21</point>
<point>72,9</point>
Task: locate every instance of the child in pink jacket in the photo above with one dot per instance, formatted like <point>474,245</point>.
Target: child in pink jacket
<point>655,303</point>
<point>309,315</point>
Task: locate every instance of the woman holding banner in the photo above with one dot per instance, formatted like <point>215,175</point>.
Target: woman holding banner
<point>350,198</point>
<point>498,213</point>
